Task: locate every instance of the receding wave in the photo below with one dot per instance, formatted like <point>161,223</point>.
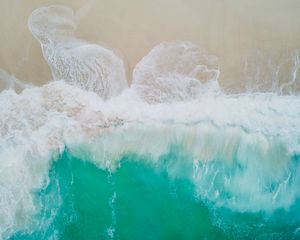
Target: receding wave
<point>90,66</point>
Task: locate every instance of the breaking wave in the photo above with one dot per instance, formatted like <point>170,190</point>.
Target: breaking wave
<point>240,151</point>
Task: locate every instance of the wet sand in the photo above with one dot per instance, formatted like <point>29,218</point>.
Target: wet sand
<point>230,29</point>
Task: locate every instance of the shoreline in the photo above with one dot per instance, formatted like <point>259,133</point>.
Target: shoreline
<point>227,30</point>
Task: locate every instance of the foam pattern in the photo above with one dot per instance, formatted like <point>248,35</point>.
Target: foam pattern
<point>239,151</point>
<point>89,66</point>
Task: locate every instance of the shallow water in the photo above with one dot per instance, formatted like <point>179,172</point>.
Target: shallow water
<point>139,202</point>
<point>120,130</point>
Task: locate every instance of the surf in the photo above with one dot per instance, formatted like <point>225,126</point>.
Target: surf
<point>237,155</point>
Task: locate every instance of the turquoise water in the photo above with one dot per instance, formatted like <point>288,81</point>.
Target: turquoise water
<point>139,201</point>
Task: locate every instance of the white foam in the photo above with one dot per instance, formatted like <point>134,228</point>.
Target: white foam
<point>175,71</point>
<point>238,149</point>
<point>86,65</point>
<point>258,132</point>
<point>275,72</point>
<point>33,128</point>
<point>11,82</point>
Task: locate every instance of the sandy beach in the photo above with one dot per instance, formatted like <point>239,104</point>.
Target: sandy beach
<point>240,33</point>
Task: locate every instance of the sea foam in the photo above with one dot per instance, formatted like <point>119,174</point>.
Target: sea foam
<point>241,150</point>
<point>87,65</point>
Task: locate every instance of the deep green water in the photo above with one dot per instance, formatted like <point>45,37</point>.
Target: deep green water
<point>137,201</point>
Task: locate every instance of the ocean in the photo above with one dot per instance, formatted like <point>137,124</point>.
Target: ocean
<point>181,140</point>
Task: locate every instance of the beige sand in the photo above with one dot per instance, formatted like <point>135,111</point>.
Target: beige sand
<point>230,29</point>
